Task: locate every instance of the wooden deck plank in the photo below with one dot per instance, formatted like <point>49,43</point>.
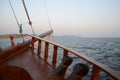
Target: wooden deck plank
<point>35,66</point>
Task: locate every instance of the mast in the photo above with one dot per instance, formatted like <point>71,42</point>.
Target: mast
<point>30,23</point>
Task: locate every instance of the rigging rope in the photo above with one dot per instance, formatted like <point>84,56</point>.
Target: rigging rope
<point>30,23</point>
<point>16,18</point>
<point>50,36</point>
<point>47,14</point>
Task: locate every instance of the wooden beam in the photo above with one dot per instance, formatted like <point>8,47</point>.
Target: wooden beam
<point>54,56</point>
<point>33,41</point>
<point>39,47</point>
<point>46,49</point>
<point>95,73</point>
<point>12,40</point>
<point>65,52</point>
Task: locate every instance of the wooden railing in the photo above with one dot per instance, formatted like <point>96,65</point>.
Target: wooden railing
<point>13,36</point>
<point>97,66</point>
<point>16,48</point>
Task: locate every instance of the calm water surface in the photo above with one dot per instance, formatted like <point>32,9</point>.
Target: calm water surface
<point>104,50</point>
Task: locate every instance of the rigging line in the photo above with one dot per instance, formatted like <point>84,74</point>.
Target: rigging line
<point>30,23</point>
<point>16,18</point>
<point>47,15</point>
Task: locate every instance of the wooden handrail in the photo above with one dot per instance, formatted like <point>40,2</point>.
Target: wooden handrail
<point>98,66</point>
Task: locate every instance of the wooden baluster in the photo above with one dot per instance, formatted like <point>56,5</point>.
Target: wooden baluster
<point>54,56</point>
<point>46,49</point>
<point>65,52</point>
<point>39,47</point>
<point>95,73</point>
<point>33,40</point>
<point>12,40</point>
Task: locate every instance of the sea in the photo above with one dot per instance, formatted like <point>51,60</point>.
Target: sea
<point>103,50</point>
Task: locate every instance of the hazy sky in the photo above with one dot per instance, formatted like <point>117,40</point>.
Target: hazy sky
<point>87,18</point>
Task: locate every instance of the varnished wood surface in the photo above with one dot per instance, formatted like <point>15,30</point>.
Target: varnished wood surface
<point>33,64</point>
<point>8,72</point>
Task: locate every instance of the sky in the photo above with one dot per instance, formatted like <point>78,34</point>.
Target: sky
<point>85,18</point>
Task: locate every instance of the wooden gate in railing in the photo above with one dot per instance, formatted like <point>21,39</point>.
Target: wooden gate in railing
<point>97,66</point>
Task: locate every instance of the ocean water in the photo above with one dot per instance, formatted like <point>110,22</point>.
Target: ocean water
<point>104,50</point>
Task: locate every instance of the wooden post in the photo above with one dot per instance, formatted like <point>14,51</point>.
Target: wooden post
<point>33,40</point>
<point>54,55</point>
<point>12,40</point>
<point>46,49</point>
<point>65,52</point>
<point>55,52</point>
<point>39,47</point>
<point>95,73</point>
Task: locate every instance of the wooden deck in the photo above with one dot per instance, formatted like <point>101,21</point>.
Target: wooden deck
<point>33,64</point>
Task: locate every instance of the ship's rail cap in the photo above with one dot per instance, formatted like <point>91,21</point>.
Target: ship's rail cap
<point>4,36</point>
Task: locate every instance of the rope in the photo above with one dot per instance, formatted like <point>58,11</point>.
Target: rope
<point>47,14</point>
<point>30,23</point>
<point>16,19</point>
